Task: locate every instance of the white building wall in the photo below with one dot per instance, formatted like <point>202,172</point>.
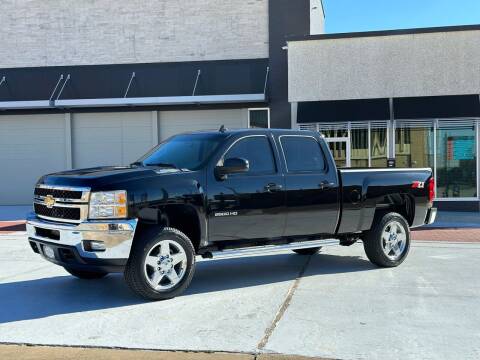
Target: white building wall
<point>425,64</point>
<point>317,17</point>
<point>72,32</point>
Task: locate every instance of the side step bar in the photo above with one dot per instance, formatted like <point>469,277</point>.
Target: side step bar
<point>268,249</point>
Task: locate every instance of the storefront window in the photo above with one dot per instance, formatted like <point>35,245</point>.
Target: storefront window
<point>339,153</point>
<point>414,147</point>
<point>334,133</point>
<point>456,162</point>
<point>359,146</point>
<point>379,147</point>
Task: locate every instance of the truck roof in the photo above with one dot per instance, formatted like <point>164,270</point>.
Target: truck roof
<point>255,131</point>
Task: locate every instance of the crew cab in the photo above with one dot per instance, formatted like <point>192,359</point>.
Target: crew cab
<point>220,194</point>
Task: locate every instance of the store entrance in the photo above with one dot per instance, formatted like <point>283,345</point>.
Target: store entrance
<point>340,148</point>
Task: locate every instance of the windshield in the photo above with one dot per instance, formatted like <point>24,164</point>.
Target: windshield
<point>189,151</point>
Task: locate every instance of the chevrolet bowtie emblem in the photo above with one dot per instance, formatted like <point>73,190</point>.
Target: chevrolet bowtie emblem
<point>49,201</point>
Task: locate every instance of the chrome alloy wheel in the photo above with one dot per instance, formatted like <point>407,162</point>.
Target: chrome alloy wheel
<point>394,240</point>
<point>165,265</point>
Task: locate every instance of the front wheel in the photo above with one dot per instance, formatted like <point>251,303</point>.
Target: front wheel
<point>161,267</point>
<point>388,242</point>
<point>86,275</point>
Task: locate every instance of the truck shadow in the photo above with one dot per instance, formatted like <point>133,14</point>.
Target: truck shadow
<point>40,298</point>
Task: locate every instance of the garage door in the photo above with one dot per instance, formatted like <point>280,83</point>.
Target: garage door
<point>174,122</point>
<point>111,138</point>
<point>30,146</point>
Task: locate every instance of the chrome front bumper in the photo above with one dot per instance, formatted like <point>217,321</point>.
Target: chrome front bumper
<point>117,235</point>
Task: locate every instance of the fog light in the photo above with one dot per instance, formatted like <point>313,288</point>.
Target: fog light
<point>90,245</point>
<point>48,251</point>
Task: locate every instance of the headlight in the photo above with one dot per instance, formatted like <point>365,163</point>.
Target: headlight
<point>108,205</point>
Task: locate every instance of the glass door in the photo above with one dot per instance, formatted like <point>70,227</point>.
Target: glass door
<point>340,148</point>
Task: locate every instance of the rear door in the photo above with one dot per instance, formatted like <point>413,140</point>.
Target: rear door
<point>250,205</point>
<point>312,188</point>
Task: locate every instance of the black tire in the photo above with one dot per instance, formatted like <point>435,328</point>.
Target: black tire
<point>309,251</point>
<point>86,275</point>
<point>135,272</point>
<point>374,244</point>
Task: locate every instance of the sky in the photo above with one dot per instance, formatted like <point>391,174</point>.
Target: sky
<point>370,15</point>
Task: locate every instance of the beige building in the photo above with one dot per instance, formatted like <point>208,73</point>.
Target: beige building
<point>404,98</point>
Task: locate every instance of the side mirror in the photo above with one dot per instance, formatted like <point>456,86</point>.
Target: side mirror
<point>232,166</point>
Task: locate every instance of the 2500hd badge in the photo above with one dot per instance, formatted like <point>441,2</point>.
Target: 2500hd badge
<point>226,213</point>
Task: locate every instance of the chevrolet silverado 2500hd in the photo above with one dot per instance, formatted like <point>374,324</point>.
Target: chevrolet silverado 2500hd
<point>222,193</point>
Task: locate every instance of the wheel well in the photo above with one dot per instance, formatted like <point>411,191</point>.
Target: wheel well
<point>183,218</point>
<point>402,204</point>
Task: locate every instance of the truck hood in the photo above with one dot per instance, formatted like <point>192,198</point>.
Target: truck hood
<point>99,177</point>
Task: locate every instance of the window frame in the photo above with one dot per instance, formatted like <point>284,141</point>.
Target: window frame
<point>325,162</point>
<point>254,109</point>
<point>250,173</point>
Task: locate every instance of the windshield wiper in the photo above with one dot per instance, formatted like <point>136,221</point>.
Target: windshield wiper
<point>137,163</point>
<point>167,165</point>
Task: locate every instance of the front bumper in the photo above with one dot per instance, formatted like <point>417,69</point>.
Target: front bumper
<point>116,235</point>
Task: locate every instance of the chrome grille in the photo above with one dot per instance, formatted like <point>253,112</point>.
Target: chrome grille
<point>65,204</point>
<point>64,213</point>
<point>58,193</point>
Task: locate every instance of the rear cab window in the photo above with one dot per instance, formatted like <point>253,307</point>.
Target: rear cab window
<point>302,154</point>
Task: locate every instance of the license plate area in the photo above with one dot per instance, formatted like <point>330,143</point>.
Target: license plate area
<point>47,233</point>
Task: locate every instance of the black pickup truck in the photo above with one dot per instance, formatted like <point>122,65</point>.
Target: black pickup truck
<point>218,194</point>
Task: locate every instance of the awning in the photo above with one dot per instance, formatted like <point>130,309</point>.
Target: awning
<point>161,101</point>
<point>162,84</point>
<point>19,105</point>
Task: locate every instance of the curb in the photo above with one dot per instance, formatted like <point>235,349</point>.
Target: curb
<point>45,352</point>
<point>7,227</point>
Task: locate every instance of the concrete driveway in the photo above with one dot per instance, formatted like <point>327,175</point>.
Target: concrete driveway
<point>334,305</point>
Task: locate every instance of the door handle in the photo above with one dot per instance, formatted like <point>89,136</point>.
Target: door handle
<point>325,185</point>
<point>272,187</point>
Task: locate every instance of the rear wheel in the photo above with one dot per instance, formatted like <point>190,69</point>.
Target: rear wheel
<point>388,242</point>
<point>309,251</point>
<point>87,275</point>
<point>161,267</point>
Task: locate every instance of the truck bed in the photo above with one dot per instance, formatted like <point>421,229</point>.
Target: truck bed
<point>363,191</point>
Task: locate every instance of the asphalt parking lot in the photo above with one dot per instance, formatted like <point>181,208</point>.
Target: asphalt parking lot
<point>332,305</point>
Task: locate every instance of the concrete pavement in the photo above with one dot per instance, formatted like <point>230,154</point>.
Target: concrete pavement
<point>341,306</point>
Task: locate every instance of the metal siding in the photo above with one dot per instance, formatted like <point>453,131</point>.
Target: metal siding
<point>30,146</point>
<point>110,138</point>
<point>174,122</point>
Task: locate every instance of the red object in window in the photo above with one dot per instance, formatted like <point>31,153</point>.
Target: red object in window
<point>431,190</point>
<point>450,151</point>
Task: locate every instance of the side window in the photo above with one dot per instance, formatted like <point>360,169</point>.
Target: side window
<point>302,153</point>
<point>257,150</point>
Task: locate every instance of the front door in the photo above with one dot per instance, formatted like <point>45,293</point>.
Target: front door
<point>249,205</point>
<point>340,149</point>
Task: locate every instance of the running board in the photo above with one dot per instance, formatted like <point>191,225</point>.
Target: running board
<point>268,249</point>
